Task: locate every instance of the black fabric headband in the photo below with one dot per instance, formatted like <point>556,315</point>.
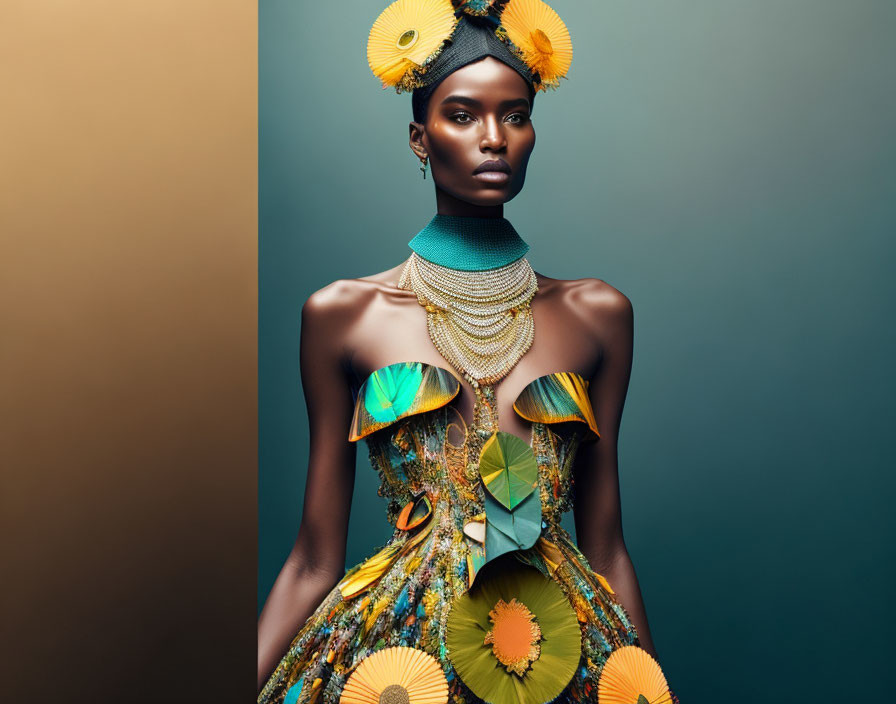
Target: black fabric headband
<point>473,39</point>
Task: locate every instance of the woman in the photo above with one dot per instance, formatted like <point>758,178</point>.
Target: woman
<point>478,427</point>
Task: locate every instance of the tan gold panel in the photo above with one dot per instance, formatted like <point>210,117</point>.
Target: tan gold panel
<point>128,213</point>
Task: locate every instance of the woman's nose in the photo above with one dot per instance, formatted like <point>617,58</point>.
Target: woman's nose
<point>493,135</point>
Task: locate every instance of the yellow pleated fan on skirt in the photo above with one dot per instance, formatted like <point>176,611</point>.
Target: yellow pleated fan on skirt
<point>396,675</point>
<point>632,676</point>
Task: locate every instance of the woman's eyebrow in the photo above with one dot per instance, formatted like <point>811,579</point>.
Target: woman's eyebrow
<point>463,100</point>
<point>473,103</point>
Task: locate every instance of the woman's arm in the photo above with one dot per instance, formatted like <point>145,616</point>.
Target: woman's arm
<point>597,511</point>
<point>317,560</point>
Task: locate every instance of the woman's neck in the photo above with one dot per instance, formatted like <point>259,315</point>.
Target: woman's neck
<point>449,205</point>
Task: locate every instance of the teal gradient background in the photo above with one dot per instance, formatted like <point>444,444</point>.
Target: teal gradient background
<point>729,166</point>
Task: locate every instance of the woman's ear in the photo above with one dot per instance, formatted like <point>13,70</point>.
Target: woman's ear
<point>416,131</point>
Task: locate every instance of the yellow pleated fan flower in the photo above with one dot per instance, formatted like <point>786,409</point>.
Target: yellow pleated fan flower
<point>407,35</point>
<point>396,675</point>
<point>538,31</point>
<point>632,676</point>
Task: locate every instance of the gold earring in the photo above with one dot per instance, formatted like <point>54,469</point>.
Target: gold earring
<point>423,167</point>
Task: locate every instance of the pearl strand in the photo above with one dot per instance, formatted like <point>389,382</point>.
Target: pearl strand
<point>480,321</point>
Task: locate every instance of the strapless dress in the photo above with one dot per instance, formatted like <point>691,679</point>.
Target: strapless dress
<point>477,526</point>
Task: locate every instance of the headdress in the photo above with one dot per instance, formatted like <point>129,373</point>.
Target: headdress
<point>414,44</point>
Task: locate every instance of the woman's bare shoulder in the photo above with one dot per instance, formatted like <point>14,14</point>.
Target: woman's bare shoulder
<point>588,296</point>
<point>599,310</point>
<point>350,297</point>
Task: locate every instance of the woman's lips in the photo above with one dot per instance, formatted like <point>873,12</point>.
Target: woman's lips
<point>492,176</point>
<point>493,165</point>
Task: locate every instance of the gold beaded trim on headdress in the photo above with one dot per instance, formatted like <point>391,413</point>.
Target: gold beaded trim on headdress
<point>410,34</point>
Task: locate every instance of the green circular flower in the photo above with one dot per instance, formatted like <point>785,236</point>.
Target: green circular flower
<point>513,637</point>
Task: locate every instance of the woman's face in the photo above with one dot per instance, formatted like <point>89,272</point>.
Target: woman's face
<point>478,114</point>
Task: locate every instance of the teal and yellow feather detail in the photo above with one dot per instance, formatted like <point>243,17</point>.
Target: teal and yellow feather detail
<point>557,398</point>
<point>397,391</point>
<point>365,574</point>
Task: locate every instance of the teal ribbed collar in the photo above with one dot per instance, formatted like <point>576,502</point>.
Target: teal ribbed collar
<point>469,243</point>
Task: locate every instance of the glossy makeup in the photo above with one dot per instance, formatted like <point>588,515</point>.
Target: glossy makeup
<point>478,136</point>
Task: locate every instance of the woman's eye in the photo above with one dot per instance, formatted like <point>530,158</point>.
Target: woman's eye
<point>462,117</point>
<point>518,118</point>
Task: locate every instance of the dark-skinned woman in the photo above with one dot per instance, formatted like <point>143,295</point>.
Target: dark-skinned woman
<point>489,397</point>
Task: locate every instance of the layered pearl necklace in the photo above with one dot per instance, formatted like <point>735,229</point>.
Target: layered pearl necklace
<point>479,320</point>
